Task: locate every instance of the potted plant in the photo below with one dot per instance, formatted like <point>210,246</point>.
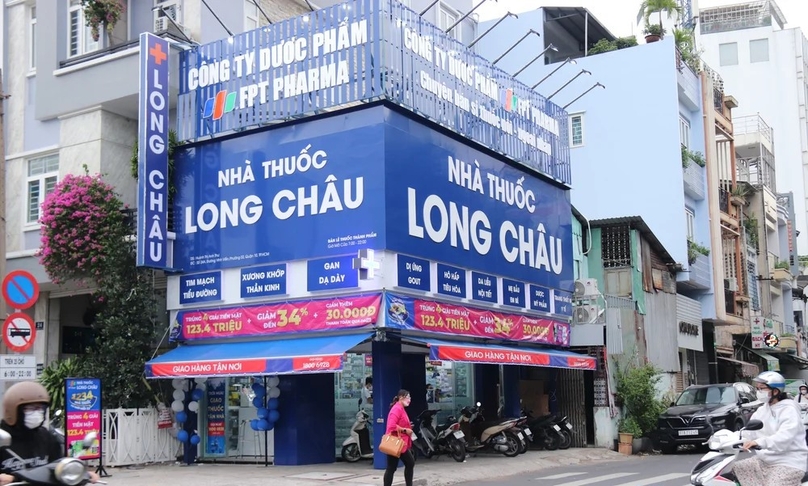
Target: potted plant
<point>650,7</point>
<point>636,385</point>
<point>738,194</point>
<point>627,430</point>
<point>653,33</point>
<point>98,12</point>
<point>694,250</point>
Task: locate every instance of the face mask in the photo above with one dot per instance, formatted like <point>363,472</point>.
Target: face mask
<point>34,419</point>
<point>763,396</point>
<point>804,392</point>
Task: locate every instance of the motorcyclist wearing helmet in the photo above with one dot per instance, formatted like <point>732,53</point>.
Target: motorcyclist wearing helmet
<point>24,407</point>
<point>783,455</point>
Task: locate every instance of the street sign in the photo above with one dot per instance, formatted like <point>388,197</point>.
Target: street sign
<point>14,367</point>
<point>19,332</point>
<point>20,289</point>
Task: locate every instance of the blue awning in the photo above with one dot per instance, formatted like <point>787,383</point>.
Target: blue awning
<point>461,352</point>
<point>284,356</point>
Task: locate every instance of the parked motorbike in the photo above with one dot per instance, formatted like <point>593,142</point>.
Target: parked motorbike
<point>57,431</point>
<point>446,439</point>
<point>66,471</point>
<point>496,435</point>
<point>715,467</point>
<point>522,426</point>
<point>550,431</point>
<point>357,445</point>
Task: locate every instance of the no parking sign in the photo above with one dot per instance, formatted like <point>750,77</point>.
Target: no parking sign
<point>20,289</point>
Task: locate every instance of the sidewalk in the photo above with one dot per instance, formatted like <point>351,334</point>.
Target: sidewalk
<point>435,472</point>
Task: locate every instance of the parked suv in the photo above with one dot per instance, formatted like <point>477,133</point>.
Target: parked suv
<point>703,409</point>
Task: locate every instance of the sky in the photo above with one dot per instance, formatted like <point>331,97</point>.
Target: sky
<point>619,16</point>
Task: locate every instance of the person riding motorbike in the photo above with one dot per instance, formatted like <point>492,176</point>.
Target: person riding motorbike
<point>783,455</point>
<point>24,407</point>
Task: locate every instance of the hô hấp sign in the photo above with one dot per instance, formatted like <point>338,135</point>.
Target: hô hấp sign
<point>363,50</point>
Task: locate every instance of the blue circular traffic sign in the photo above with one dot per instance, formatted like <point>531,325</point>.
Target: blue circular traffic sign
<point>20,289</point>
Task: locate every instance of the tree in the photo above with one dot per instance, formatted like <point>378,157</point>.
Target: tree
<point>86,239</point>
<point>650,7</point>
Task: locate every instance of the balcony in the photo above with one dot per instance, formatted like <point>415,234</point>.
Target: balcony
<point>694,181</point>
<point>698,276</point>
<point>688,83</point>
<point>782,275</point>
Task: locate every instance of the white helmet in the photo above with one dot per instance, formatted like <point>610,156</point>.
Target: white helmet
<point>772,379</point>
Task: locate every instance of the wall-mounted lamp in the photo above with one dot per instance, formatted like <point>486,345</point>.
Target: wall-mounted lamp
<point>465,16</point>
<point>492,28</point>
<point>568,60</point>
<point>582,95</point>
<point>551,47</point>
<point>168,16</point>
<point>583,71</point>
<point>531,31</point>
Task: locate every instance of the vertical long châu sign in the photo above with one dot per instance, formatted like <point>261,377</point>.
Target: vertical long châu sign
<point>152,198</point>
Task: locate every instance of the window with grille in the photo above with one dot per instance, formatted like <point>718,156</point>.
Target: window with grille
<point>80,40</point>
<point>616,246</point>
<point>690,217</point>
<point>576,130</point>
<point>43,173</point>
<point>684,132</point>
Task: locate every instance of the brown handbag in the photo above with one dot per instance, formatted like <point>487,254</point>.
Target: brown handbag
<point>392,445</point>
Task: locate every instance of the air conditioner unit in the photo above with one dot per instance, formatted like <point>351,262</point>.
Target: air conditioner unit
<point>731,284</point>
<point>161,24</point>
<point>163,10</point>
<point>586,314</point>
<point>586,288</point>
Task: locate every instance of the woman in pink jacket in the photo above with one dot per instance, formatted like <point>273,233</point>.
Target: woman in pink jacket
<point>398,423</point>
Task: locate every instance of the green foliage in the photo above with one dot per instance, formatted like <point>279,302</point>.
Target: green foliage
<point>686,45</point>
<point>654,29</point>
<point>750,224</point>
<point>694,250</point>
<point>782,265</point>
<point>54,376</point>
<point>172,145</point>
<point>629,425</point>
<point>650,7</point>
<point>691,156</point>
<point>601,46</point>
<point>636,389</point>
<point>624,42</point>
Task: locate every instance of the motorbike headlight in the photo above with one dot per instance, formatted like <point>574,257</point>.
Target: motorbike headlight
<point>70,471</point>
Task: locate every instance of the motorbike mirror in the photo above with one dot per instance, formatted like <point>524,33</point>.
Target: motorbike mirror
<point>57,413</point>
<point>754,425</point>
<point>89,440</point>
<point>5,438</point>
<point>479,404</point>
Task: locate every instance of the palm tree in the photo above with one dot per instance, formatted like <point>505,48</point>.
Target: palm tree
<point>671,7</point>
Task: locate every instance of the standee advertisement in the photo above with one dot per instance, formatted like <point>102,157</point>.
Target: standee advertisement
<point>83,415</point>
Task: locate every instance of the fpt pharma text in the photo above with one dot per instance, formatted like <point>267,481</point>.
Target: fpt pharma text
<point>275,70</point>
<point>431,217</point>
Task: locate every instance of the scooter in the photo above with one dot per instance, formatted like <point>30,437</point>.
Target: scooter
<point>66,471</point>
<point>357,445</point>
<point>497,435</point>
<point>447,440</point>
<point>715,467</point>
<point>57,432</point>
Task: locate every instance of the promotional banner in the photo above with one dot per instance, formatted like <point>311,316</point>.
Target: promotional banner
<point>458,320</point>
<point>365,50</point>
<point>152,175</point>
<point>216,410</point>
<point>337,313</point>
<point>83,415</point>
<point>298,192</point>
<point>242,367</point>
<point>499,355</point>
<point>451,203</point>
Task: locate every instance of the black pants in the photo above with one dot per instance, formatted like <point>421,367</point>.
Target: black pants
<point>392,465</point>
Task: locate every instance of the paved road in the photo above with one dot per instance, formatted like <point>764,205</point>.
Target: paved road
<point>655,470</point>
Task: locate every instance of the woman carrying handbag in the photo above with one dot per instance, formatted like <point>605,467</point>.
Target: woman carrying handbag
<point>397,442</point>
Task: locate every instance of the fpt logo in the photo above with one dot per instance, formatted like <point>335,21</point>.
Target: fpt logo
<point>511,100</point>
<point>220,104</point>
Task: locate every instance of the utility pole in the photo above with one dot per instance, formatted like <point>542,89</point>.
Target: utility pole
<point>3,97</point>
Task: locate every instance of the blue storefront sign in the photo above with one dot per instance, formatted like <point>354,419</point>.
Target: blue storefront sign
<point>323,60</point>
<point>540,298</point>
<point>451,281</point>
<point>484,287</point>
<point>331,273</point>
<point>293,193</point>
<point>454,204</point>
<point>201,287</point>
<point>513,293</point>
<point>413,273</point>
<point>562,302</point>
<point>263,281</point>
<point>152,174</point>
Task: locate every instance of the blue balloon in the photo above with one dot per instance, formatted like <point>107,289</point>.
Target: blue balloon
<point>273,403</point>
<point>258,402</point>
<point>271,426</point>
<point>197,394</point>
<point>195,439</point>
<point>263,413</point>
<point>254,424</point>
<point>274,415</point>
<point>260,392</point>
<point>263,425</point>
<point>181,417</point>
<point>182,436</point>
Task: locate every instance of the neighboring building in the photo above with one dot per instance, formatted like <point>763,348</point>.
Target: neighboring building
<point>763,64</point>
